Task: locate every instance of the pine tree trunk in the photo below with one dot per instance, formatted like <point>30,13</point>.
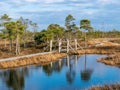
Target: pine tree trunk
<point>24,43</point>
<point>25,39</point>
<point>17,42</point>
<point>34,39</point>
<point>17,45</point>
<point>10,44</point>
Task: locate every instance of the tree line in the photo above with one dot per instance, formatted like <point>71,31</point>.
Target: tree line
<point>69,31</point>
<point>17,31</point>
<point>21,31</point>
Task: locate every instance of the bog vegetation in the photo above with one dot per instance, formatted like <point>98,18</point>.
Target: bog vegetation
<point>23,33</point>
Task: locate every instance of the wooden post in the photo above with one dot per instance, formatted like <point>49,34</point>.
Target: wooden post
<point>76,44</point>
<point>68,44</point>
<point>60,43</point>
<point>51,45</point>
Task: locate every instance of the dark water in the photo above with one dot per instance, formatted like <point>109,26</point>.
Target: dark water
<point>72,73</point>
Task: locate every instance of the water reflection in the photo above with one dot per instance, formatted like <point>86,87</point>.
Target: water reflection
<point>48,69</point>
<point>57,67</point>
<point>71,71</point>
<point>68,61</point>
<point>76,60</point>
<point>70,74</point>
<point>87,72</point>
<point>15,78</point>
<point>53,67</point>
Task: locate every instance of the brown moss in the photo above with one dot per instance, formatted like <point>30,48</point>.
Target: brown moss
<point>94,51</point>
<point>106,87</point>
<point>33,60</point>
<point>108,48</point>
<point>113,60</point>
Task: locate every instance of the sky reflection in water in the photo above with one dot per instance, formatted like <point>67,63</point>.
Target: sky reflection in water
<point>71,72</point>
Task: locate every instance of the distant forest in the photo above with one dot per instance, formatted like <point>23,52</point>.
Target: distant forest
<point>22,31</point>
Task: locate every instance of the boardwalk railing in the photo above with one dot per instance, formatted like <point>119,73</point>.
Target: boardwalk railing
<point>66,45</point>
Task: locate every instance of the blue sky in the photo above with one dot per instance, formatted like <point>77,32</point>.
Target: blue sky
<point>45,12</point>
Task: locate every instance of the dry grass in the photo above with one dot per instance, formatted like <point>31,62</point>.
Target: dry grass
<point>5,53</point>
<point>107,87</point>
<point>104,42</point>
<point>42,59</point>
<point>107,48</point>
<point>113,60</point>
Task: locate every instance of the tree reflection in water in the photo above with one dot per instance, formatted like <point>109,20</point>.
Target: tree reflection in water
<point>57,67</point>
<point>70,74</point>
<point>14,78</point>
<point>48,69</point>
<point>53,67</point>
<point>86,73</point>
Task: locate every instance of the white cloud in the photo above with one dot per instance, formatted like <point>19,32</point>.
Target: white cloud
<point>96,10</point>
<point>31,0</point>
<point>45,1</point>
<point>108,1</point>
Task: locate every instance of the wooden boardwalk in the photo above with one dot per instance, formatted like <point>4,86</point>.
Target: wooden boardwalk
<point>68,48</point>
<point>25,56</point>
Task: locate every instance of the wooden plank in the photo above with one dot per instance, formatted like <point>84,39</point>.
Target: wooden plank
<point>25,56</point>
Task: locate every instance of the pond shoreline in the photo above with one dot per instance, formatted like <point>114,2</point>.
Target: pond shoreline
<point>106,87</point>
<point>45,58</point>
<point>40,59</point>
<point>107,49</point>
<point>112,60</point>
